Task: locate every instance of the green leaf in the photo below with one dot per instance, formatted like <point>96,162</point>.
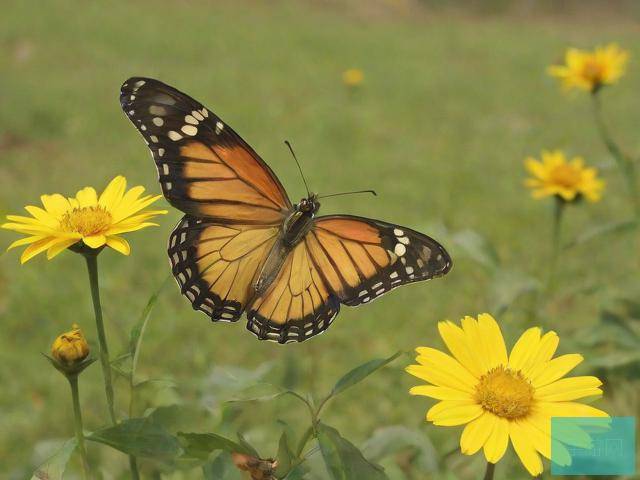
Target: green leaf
<point>477,248</point>
<point>342,459</point>
<point>221,468</point>
<point>602,230</point>
<point>284,456</point>
<point>360,373</point>
<point>200,445</point>
<point>137,331</point>
<point>247,446</point>
<point>140,437</point>
<point>391,440</point>
<point>53,468</point>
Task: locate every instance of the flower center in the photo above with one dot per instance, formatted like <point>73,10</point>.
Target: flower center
<point>505,393</point>
<point>566,176</point>
<point>86,220</point>
<point>592,71</point>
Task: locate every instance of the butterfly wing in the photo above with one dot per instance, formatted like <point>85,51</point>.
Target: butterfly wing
<point>343,259</point>
<point>204,167</point>
<point>234,203</point>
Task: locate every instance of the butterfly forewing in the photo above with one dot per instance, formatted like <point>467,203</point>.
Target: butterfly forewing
<point>204,167</point>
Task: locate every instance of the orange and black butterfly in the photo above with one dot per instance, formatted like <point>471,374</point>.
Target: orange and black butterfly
<point>242,247</point>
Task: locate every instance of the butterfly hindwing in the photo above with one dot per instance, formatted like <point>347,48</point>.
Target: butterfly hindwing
<point>204,167</point>
<point>217,265</point>
<point>297,305</point>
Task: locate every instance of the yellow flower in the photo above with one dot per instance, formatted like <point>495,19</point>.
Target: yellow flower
<point>554,175</point>
<point>71,347</point>
<point>502,397</point>
<point>96,221</point>
<point>590,70</point>
<point>353,77</point>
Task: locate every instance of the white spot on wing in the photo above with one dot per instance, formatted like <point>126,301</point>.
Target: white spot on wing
<point>404,240</point>
<point>157,121</point>
<point>397,232</point>
<point>157,110</point>
<point>400,249</point>
<point>219,127</point>
<point>160,152</point>
<point>190,119</point>
<point>189,130</point>
<point>175,136</point>
<point>197,115</point>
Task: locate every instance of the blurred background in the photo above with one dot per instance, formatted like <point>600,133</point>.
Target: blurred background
<point>453,97</point>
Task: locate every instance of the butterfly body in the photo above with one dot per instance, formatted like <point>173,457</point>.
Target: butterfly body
<point>243,248</point>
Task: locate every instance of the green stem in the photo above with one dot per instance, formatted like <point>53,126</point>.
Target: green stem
<point>133,466</point>
<point>133,461</point>
<point>488,474</point>
<point>556,240</point>
<point>77,421</point>
<point>625,164</point>
<point>92,267</point>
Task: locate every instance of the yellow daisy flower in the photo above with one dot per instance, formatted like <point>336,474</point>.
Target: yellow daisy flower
<point>502,397</point>
<point>95,221</point>
<point>554,175</point>
<point>353,77</point>
<point>590,70</point>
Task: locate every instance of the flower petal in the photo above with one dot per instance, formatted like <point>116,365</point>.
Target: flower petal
<point>36,248</point>
<point>456,414</point>
<point>552,370</point>
<point>94,241</point>
<point>437,360</point>
<point>87,197</point>
<point>25,241</point>
<point>439,393</point>
<point>112,195</point>
<point>520,438</point>
<point>493,340</point>
<point>569,389</point>
<point>496,444</point>
<point>455,340</point>
<point>55,204</point>
<point>438,377</point>
<point>119,244</point>
<point>524,349</point>
<point>476,433</point>
<point>60,247</point>
<point>568,409</point>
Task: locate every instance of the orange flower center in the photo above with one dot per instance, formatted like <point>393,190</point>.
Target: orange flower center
<point>592,71</point>
<point>505,393</point>
<point>86,220</point>
<point>566,176</point>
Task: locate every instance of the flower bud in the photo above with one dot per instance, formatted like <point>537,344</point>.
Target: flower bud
<point>70,348</point>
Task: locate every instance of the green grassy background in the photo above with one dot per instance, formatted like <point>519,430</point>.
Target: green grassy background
<point>453,100</point>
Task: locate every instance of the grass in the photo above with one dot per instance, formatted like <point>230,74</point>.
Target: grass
<point>450,106</point>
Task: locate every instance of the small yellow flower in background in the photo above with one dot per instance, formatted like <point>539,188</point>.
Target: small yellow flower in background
<point>590,70</point>
<point>569,180</point>
<point>353,77</point>
<point>96,221</point>
<point>502,397</point>
<point>71,347</point>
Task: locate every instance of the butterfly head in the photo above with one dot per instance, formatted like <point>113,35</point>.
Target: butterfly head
<point>309,204</point>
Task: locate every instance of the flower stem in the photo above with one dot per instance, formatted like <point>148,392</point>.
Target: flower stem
<point>92,267</point>
<point>488,474</point>
<point>556,240</point>
<point>77,420</point>
<point>625,164</point>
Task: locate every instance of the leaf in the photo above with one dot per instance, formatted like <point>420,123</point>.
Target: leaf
<point>140,437</point>
<point>284,456</point>
<point>390,440</point>
<point>601,230</point>
<point>137,331</point>
<point>221,468</point>
<point>247,446</point>
<point>477,248</point>
<point>53,468</point>
<point>342,459</point>
<point>200,445</point>
<point>360,373</point>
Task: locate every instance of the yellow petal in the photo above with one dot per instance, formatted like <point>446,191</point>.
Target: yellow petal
<point>524,448</point>
<point>25,241</point>
<point>496,444</point>
<point>546,348</point>
<point>43,216</point>
<point>456,414</point>
<point>112,195</point>
<point>439,378</point>
<point>455,340</point>
<point>493,340</point>
<point>36,248</point>
<point>524,349</point>
<point>477,348</point>
<point>569,409</point>
<point>87,197</point>
<point>60,247</point>
<point>95,241</point>
<point>119,244</point>
<point>440,393</point>
<point>552,370</point>
<point>476,433</point>
<point>569,389</point>
<point>55,204</point>
<point>437,360</point>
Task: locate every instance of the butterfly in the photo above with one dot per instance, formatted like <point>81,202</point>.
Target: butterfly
<point>243,247</point>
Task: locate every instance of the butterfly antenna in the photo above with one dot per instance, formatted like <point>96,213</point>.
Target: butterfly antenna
<point>372,192</point>
<point>286,142</point>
